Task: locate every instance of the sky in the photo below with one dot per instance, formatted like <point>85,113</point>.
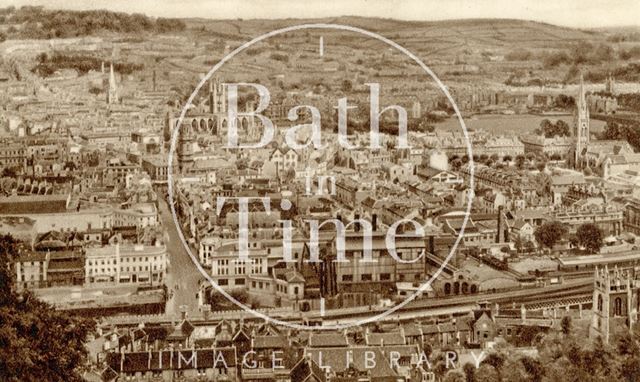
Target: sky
<point>572,13</point>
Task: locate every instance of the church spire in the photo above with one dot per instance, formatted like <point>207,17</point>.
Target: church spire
<point>112,94</point>
<point>582,102</point>
<point>581,124</point>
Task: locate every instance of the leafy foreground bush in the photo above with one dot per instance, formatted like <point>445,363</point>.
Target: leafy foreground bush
<point>37,343</point>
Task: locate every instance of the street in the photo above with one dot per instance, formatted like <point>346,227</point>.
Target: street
<point>182,273</point>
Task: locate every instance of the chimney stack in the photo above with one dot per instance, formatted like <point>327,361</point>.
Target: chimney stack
<point>500,234</point>
<point>374,222</point>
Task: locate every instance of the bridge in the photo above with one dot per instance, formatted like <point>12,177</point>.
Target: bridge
<point>569,302</point>
<point>437,262</point>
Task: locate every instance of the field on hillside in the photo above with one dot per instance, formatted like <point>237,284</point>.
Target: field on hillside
<point>509,125</point>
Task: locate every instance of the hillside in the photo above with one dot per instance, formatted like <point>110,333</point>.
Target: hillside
<point>470,52</point>
<point>513,52</point>
<point>489,33</point>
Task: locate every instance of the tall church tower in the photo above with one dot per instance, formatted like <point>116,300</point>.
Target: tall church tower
<point>581,125</point>
<point>217,97</point>
<point>615,301</point>
<point>186,139</point>
<point>112,93</point>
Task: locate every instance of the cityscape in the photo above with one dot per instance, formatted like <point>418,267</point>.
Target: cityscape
<point>317,199</point>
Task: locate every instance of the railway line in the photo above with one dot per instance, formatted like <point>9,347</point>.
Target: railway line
<point>570,293</point>
<point>548,295</point>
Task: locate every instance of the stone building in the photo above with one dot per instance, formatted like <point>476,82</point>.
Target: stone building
<point>615,301</point>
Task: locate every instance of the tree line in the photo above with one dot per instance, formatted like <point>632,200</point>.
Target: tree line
<point>550,129</point>
<point>615,131</point>
<point>588,236</point>
<point>566,355</point>
<point>40,23</point>
<point>47,65</point>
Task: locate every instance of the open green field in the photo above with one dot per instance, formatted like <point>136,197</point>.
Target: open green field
<point>508,125</point>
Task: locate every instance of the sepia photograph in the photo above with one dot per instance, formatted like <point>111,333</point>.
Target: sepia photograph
<point>319,191</point>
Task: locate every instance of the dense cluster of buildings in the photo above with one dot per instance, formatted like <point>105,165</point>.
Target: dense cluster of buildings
<point>76,191</point>
<point>251,351</point>
<point>298,230</point>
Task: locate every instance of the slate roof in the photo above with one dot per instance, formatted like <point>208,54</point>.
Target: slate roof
<point>270,342</point>
<point>385,339</point>
<point>336,358</point>
<point>412,329</point>
<point>319,340</point>
<point>171,360</point>
<point>305,370</point>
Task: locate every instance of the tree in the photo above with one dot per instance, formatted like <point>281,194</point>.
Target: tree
<point>565,324</point>
<point>558,129</point>
<point>588,171</point>
<point>530,156</point>
<point>630,369</point>
<point>9,172</point>
<point>95,90</point>
<point>548,234</point>
<point>42,57</point>
<point>426,127</point>
<point>346,86</point>
<point>290,174</point>
<point>454,376</point>
<point>534,368</point>
<point>513,370</point>
<point>70,165</point>
<point>562,357</point>
<point>562,128</point>
<point>545,126</point>
<point>93,159</point>
<point>496,360</point>
<point>628,345</point>
<point>486,373</point>
<point>612,131</point>
<point>590,237</point>
<point>38,342</point>
<point>518,244</point>
<point>440,365</point>
<point>529,246</point>
<point>520,159</point>
<point>564,101</point>
<point>469,372</point>
<point>573,240</point>
<point>456,164</point>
